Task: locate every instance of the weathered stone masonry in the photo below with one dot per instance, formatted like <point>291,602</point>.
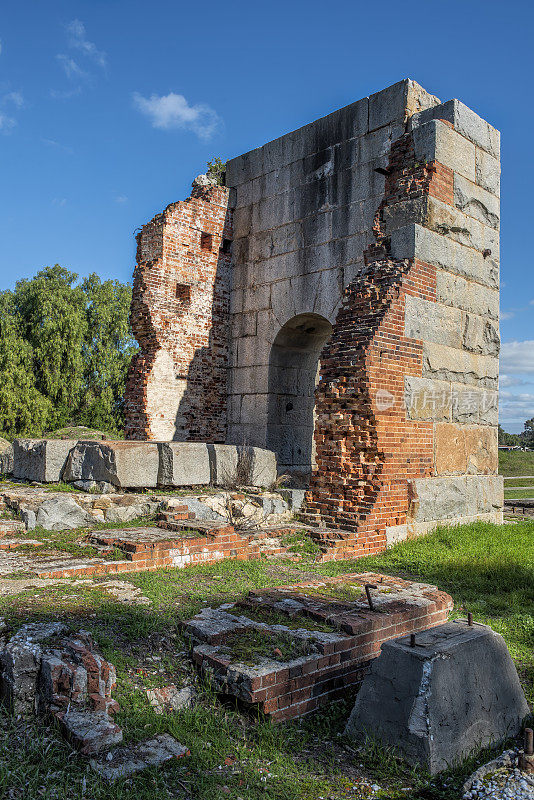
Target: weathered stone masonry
<point>366,244</point>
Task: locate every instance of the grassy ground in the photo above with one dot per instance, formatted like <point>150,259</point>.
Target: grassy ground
<point>516,462</point>
<point>488,569</point>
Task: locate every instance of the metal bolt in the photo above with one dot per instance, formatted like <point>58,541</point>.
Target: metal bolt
<point>368,593</point>
<point>412,640</point>
<point>469,619</point>
<point>529,742</point>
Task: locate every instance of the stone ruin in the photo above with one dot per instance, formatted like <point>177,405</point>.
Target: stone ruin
<point>46,670</point>
<point>336,301</point>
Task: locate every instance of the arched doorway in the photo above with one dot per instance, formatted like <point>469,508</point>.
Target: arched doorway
<point>293,376</point>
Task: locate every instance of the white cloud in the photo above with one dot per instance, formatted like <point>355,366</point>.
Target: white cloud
<point>172,111</point>
<point>78,41</point>
<point>517,357</point>
<point>505,381</point>
<point>507,315</point>
<point>121,198</point>
<point>71,68</point>
<point>8,100</point>
<point>516,407</point>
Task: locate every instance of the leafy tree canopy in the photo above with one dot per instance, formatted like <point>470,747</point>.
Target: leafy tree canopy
<point>65,348</point>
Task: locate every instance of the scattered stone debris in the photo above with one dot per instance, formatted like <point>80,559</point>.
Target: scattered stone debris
<point>171,698</point>
<point>89,731</point>
<point>324,664</point>
<point>124,761</point>
<point>500,779</point>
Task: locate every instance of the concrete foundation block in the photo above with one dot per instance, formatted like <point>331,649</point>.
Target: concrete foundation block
<point>184,464</point>
<point>124,464</point>
<point>41,459</point>
<point>453,693</point>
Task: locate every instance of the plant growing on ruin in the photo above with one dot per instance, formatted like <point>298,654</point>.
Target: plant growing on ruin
<point>216,170</point>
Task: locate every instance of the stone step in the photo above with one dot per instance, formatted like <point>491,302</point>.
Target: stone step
<point>13,544</point>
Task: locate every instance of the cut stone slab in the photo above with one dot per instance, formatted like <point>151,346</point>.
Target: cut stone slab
<point>453,693</point>
<point>125,761</point>
<point>41,459</point>
<point>123,464</point>
<point>184,464</point>
<point>89,731</point>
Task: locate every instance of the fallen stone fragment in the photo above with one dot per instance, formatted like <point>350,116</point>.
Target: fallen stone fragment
<point>453,693</point>
<point>40,459</point>
<point>89,731</point>
<point>62,513</point>
<point>170,697</point>
<point>128,760</point>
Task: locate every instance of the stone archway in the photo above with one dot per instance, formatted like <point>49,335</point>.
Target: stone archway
<point>293,376</point>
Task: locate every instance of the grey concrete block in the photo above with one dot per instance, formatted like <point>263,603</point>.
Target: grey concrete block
<point>476,202</point>
<point>41,459</point>
<point>454,693</point>
<point>465,121</point>
<point>481,335</point>
<point>125,464</point>
<point>264,470</point>
<point>428,399</point>
<point>415,241</point>
<point>484,494</point>
<point>462,228</point>
<point>184,464</point>
<point>223,460</point>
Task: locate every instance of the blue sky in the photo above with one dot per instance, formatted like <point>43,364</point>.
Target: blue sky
<point>108,109</point>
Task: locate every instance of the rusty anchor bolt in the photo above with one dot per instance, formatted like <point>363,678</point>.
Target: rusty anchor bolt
<point>368,593</point>
<point>412,639</point>
<point>526,758</point>
<point>470,619</point>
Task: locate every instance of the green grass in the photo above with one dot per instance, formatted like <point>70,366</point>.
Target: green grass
<point>488,569</point>
<point>519,494</point>
<point>250,646</point>
<point>516,462</point>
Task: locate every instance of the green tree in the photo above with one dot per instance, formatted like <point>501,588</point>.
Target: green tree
<point>23,409</point>
<point>52,313</point>
<point>528,434</point>
<point>65,348</point>
<point>107,351</point>
<point>509,439</point>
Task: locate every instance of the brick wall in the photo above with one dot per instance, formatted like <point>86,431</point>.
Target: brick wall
<point>176,386</point>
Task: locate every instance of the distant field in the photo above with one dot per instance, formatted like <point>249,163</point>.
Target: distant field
<point>514,462</point>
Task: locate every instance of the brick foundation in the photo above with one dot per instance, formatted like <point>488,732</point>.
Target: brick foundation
<point>286,690</point>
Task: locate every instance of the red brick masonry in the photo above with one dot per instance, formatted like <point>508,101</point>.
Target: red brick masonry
<point>285,690</point>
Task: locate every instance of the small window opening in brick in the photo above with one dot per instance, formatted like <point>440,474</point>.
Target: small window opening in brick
<point>206,241</point>
<point>225,245</point>
<point>183,293</point>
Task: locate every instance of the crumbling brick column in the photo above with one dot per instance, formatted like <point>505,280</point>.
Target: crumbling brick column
<point>176,385</point>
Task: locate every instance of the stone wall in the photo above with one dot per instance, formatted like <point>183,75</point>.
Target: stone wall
<point>363,306</point>
<point>176,386</point>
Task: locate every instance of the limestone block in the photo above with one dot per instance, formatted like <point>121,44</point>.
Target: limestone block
<point>89,731</point>
<point>484,494</point>
<point>433,322</point>
<point>465,121</point>
<point>6,457</point>
<point>476,202</point>
<point>471,405</point>
<point>128,464</point>
<point>439,498</point>
<point>481,335</point>
<point>450,221</point>
<point>465,449</point>
<point>416,241</point>
<point>223,464</point>
<point>397,102</point>
<point>455,692</point>
<point>487,172</point>
<point>126,761</point>
<point>184,464</point>
<point>459,366</point>
<point>427,399</point>
<point>436,141</point>
<point>455,291</point>
<point>396,534</point>
<point>264,472</point>
<point>40,459</point>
